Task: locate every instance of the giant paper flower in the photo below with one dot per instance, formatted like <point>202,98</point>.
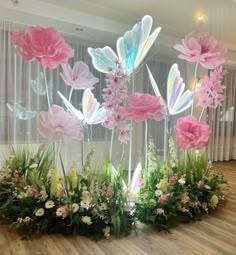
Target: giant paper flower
<point>79,77</point>
<point>202,48</point>
<point>190,133</point>
<point>57,124</point>
<point>145,106</point>
<point>44,45</point>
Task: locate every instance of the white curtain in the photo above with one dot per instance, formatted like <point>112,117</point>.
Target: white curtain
<point>223,123</point>
<point>15,77</point>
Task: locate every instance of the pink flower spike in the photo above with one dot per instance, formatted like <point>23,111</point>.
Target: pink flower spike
<point>202,48</point>
<point>44,45</point>
<point>79,77</point>
<point>145,106</point>
<point>190,133</point>
<point>57,124</point>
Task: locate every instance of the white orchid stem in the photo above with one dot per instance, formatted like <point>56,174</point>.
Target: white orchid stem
<point>194,89</point>
<point>46,85</point>
<point>203,109</point>
<point>146,143</point>
<point>111,143</point>
<point>70,95</point>
<point>130,143</point>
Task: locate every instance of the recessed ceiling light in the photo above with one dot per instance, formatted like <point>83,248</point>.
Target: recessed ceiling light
<point>79,29</point>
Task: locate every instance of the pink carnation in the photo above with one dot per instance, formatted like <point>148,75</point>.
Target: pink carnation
<point>44,45</point>
<point>202,48</point>
<point>57,124</point>
<point>190,133</point>
<point>145,106</point>
<point>163,198</point>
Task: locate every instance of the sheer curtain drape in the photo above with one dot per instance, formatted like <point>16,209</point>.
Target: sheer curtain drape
<point>222,121</point>
<point>16,75</point>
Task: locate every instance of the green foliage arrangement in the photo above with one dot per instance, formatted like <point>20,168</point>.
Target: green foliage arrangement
<point>35,199</point>
<point>178,190</point>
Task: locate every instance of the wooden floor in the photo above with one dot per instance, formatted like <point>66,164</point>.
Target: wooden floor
<point>213,235</point>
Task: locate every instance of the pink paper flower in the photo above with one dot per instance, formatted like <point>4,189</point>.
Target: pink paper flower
<point>202,48</point>
<point>190,133</point>
<point>44,45</point>
<point>211,90</point>
<point>79,77</point>
<point>57,124</point>
<point>163,198</point>
<point>145,106</point>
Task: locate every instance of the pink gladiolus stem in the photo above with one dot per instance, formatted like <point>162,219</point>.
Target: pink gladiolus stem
<point>146,143</point>
<point>203,109</point>
<point>46,85</point>
<point>195,83</point>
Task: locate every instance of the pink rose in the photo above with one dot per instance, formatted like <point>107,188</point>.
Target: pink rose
<point>190,133</point>
<point>202,48</point>
<point>44,45</point>
<point>145,106</point>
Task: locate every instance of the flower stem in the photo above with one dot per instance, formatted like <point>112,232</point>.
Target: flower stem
<point>146,143</point>
<point>203,109</point>
<point>130,143</point>
<point>46,85</point>
<point>166,136</point>
<point>111,143</point>
<point>195,83</point>
<point>70,95</point>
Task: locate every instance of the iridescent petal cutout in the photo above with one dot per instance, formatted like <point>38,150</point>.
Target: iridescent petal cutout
<point>135,44</point>
<point>77,114</point>
<point>92,113</point>
<point>39,88</point>
<point>177,101</point>
<point>137,180</point>
<point>21,112</point>
<point>104,60</point>
<point>153,83</point>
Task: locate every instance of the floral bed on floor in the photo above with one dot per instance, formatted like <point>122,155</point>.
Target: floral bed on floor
<point>98,202</point>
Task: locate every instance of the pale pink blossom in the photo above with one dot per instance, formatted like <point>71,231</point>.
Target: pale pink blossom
<point>145,106</point>
<point>79,77</point>
<point>184,210</point>
<point>200,184</point>
<point>57,124</point>
<point>191,133</point>
<point>202,48</point>
<point>160,211</point>
<point>163,198</point>
<point>211,90</point>
<point>185,198</point>
<point>44,45</point>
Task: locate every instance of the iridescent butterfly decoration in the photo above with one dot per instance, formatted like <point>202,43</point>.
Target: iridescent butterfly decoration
<point>21,112</point>
<point>178,100</point>
<point>91,113</point>
<point>132,48</point>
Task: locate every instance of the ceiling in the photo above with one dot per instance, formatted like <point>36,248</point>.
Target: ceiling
<point>177,17</point>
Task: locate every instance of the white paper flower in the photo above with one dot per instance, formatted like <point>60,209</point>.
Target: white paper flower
<point>103,206</point>
<point>85,203</point>
<point>158,192</point>
<point>59,211</point>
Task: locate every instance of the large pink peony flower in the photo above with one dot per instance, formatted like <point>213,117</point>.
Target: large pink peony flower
<point>144,106</point>
<point>202,48</point>
<point>79,77</point>
<point>44,45</point>
<point>57,124</point>
<point>190,133</point>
